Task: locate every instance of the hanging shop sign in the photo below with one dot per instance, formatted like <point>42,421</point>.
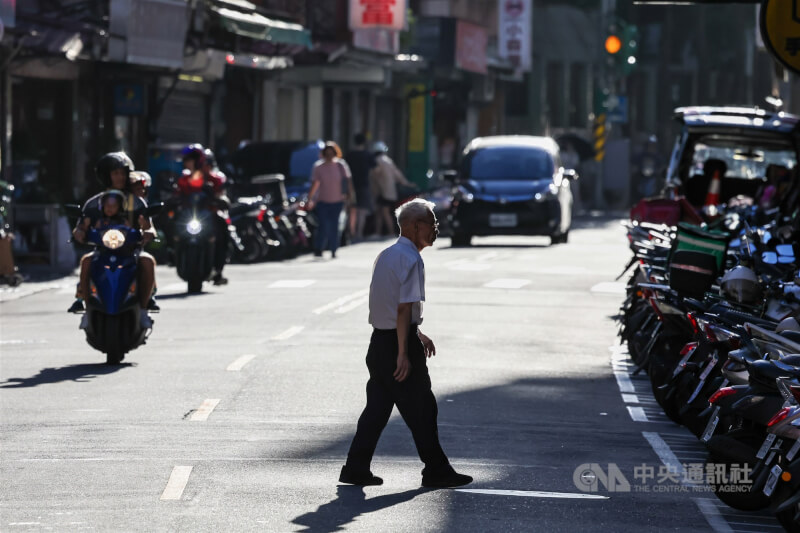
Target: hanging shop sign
<point>514,32</point>
<point>780,29</point>
<point>390,14</point>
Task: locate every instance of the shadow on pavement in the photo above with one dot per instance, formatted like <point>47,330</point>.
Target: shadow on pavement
<point>350,503</point>
<point>78,373</point>
<point>180,295</point>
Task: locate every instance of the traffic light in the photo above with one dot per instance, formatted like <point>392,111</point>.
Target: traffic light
<point>621,44</point>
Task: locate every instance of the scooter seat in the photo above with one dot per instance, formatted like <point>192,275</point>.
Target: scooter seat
<point>791,360</point>
<point>764,373</point>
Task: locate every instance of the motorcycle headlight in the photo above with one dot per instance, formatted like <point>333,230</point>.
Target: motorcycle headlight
<point>193,227</point>
<point>113,239</point>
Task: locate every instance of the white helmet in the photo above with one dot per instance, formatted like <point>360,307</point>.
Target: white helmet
<point>740,284</point>
<point>379,147</point>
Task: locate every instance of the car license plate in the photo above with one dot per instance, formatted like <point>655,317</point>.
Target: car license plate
<point>711,426</point>
<point>762,452</point>
<point>503,220</point>
<point>772,480</point>
<point>793,451</point>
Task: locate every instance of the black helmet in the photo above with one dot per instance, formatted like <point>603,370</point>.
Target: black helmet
<point>109,162</point>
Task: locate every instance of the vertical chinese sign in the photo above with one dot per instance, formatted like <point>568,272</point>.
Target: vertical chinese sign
<point>514,32</point>
<point>390,14</point>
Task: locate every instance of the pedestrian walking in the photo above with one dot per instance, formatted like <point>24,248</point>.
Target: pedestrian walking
<point>360,161</point>
<point>396,358</point>
<point>384,178</point>
<point>331,185</point>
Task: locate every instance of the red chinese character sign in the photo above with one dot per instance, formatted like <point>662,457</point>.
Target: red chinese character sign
<point>514,32</point>
<point>390,14</point>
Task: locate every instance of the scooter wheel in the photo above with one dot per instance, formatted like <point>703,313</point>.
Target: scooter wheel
<point>114,358</point>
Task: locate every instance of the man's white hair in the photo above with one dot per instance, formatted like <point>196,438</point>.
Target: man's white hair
<point>413,210</point>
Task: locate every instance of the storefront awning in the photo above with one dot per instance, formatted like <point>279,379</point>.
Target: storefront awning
<point>249,23</point>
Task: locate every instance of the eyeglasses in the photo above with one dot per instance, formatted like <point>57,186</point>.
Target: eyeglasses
<point>434,225</point>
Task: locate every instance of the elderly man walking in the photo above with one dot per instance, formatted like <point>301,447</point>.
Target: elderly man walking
<point>396,358</point>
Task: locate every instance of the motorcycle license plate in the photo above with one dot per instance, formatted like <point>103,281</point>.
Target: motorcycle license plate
<point>793,451</point>
<point>682,362</point>
<point>503,220</point>
<point>762,452</point>
<point>711,426</point>
<point>706,371</point>
<point>772,480</point>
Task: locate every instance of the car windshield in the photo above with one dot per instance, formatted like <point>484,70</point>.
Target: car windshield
<point>509,163</point>
<point>742,162</point>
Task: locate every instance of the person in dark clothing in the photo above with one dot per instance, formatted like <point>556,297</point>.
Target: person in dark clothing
<point>360,161</point>
<point>398,374</point>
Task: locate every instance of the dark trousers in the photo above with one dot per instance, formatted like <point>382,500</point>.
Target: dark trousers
<point>413,398</point>
<point>221,243</point>
<point>327,236</point>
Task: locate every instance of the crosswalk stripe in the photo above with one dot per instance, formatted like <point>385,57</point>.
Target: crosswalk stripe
<point>339,302</point>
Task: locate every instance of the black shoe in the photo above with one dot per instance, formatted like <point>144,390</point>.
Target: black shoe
<point>333,255</point>
<point>317,253</point>
<point>76,307</point>
<point>358,478</point>
<point>219,280</point>
<point>443,481</point>
<point>153,306</point>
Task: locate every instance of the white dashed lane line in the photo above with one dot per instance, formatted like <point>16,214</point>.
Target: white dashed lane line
<point>507,283</point>
<point>240,362</point>
<point>535,494</point>
<point>287,334</point>
<point>177,483</point>
<point>203,412</point>
<point>291,283</point>
<point>342,302</point>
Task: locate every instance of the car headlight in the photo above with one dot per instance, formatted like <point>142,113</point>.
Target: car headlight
<point>193,227</point>
<point>466,196</point>
<point>113,239</point>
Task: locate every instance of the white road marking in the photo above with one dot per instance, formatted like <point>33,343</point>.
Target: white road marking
<point>240,362</point>
<point>291,332</point>
<point>637,414</point>
<point>23,341</point>
<point>204,410</point>
<point>711,513</point>
<point>666,455</point>
<point>609,287</point>
<point>624,382</point>
<point>352,305</point>
<point>339,302</point>
<point>177,482</point>
<point>291,283</point>
<point>630,398</point>
<point>507,283</point>
<point>535,494</point>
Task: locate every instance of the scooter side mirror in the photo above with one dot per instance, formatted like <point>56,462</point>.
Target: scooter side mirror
<point>154,209</point>
<point>73,210</point>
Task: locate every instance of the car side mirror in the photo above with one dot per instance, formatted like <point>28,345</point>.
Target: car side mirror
<point>570,174</point>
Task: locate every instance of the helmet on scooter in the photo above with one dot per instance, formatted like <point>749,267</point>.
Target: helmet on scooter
<point>788,324</point>
<point>195,152</point>
<point>110,162</point>
<point>740,285</point>
<point>379,147</point>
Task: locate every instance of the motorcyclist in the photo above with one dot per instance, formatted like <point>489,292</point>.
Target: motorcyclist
<point>112,171</point>
<point>198,167</point>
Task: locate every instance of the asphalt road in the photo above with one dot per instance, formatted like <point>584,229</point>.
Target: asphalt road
<point>238,412</point>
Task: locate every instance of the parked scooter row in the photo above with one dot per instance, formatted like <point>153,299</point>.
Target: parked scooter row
<point>711,316</point>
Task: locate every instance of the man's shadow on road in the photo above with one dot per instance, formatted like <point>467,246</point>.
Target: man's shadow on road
<point>350,503</point>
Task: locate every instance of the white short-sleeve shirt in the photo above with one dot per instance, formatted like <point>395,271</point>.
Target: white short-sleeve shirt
<point>398,276</point>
